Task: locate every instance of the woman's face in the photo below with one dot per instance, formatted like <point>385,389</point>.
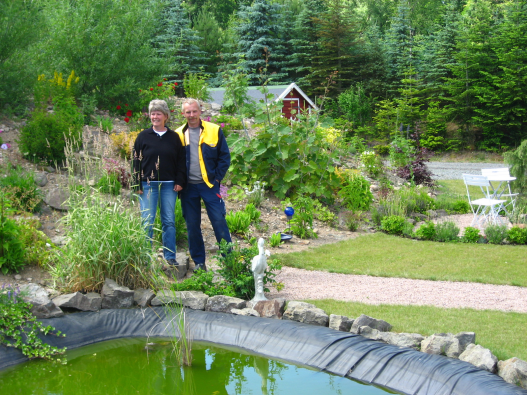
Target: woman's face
<point>158,119</point>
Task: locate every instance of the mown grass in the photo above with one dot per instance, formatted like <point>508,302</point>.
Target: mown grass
<point>468,157</point>
<point>389,256</point>
<point>502,332</point>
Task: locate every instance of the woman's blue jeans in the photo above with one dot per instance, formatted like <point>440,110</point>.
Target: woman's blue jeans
<point>163,193</point>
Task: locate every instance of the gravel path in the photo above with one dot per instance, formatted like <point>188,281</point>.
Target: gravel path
<point>307,284</point>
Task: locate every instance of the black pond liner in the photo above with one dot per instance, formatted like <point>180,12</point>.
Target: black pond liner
<point>399,369</point>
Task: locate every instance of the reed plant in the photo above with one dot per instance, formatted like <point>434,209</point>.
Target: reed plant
<point>105,239</point>
<point>178,326</point>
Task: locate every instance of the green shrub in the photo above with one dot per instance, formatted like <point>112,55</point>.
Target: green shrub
<point>446,231</point>
<point>253,212</point>
<point>415,199</point>
<point>21,190</point>
<point>355,193</point>
<point>461,207</point>
<point>105,240</point>
<point>195,85</point>
<point>235,268</point>
<point>371,162</point>
<point>517,235</point>
<point>408,230</point>
<point>205,282</point>
<point>36,244</point>
<point>109,183</point>
<point>322,213</point>
<point>287,157</point>
<point>257,194</point>
<point>471,235</point>
<point>426,231</point>
<point>382,150</point>
<point>302,222</point>
<point>275,240</point>
<point>401,152</point>
<point>44,137</point>
<point>238,222</point>
<point>393,224</point>
<point>496,233</point>
<point>12,251</point>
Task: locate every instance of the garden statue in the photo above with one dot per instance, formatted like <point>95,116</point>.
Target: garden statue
<point>258,266</point>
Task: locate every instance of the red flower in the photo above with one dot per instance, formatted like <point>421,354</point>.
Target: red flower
<point>164,79</point>
<point>126,105</point>
<point>140,90</point>
<point>160,84</point>
<point>118,107</point>
<point>126,119</point>
<point>128,113</point>
<point>175,83</point>
<point>151,89</point>
<point>171,110</point>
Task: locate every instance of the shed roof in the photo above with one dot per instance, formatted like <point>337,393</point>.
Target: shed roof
<point>279,92</point>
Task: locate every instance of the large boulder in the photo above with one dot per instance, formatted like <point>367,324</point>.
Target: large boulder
<point>57,198</point>
<point>306,313</point>
<point>43,306</point>
<point>513,371</point>
<point>115,296</point>
<point>412,340</point>
<point>340,322</point>
<point>448,344</point>
<point>480,357</point>
<point>224,304</point>
<point>195,300</point>
<point>269,308</point>
<point>89,302</point>
<point>374,323</point>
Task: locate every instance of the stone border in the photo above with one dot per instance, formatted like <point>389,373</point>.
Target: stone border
<point>459,346</point>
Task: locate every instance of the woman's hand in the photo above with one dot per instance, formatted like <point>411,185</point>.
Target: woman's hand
<point>178,188</point>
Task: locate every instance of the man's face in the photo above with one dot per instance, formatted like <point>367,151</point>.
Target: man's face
<point>192,112</point>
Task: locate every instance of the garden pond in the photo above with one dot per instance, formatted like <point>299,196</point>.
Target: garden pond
<point>131,366</point>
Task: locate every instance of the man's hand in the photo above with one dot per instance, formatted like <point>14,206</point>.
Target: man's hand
<point>178,188</point>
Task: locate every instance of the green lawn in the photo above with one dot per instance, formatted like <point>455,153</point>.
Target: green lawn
<point>503,333</point>
<point>382,255</point>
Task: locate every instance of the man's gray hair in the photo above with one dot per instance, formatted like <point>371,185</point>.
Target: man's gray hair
<point>159,105</point>
<point>189,100</point>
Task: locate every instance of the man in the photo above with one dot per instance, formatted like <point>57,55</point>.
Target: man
<point>208,159</point>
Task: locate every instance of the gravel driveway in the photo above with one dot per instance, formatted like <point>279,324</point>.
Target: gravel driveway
<point>455,170</point>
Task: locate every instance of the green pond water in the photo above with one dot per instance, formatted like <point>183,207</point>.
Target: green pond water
<point>125,367</point>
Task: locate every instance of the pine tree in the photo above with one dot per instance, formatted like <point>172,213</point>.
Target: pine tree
<point>210,39</point>
<point>259,42</point>
<point>303,41</point>
<point>177,42</point>
<point>335,50</point>
<point>503,94</point>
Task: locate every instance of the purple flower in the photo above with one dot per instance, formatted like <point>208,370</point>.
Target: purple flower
<point>1,131</point>
<point>208,119</point>
<point>222,125</point>
<point>224,191</point>
<point>4,146</point>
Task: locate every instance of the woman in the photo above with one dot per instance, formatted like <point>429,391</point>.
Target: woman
<point>160,172</point>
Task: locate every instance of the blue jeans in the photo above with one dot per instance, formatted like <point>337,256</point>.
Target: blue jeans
<point>191,205</point>
<point>162,192</point>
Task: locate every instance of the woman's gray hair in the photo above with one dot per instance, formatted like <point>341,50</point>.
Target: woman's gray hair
<point>159,105</point>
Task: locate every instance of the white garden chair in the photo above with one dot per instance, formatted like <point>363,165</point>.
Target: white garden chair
<point>503,189</point>
<point>485,208</point>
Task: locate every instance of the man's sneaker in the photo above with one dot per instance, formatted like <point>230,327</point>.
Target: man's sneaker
<point>200,266</point>
<point>172,262</point>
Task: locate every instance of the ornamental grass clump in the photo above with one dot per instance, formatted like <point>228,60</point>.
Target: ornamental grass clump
<point>105,239</point>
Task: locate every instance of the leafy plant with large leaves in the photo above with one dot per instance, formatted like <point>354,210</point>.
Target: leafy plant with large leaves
<point>288,157</point>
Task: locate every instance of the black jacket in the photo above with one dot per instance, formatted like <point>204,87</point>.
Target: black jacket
<point>159,158</point>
